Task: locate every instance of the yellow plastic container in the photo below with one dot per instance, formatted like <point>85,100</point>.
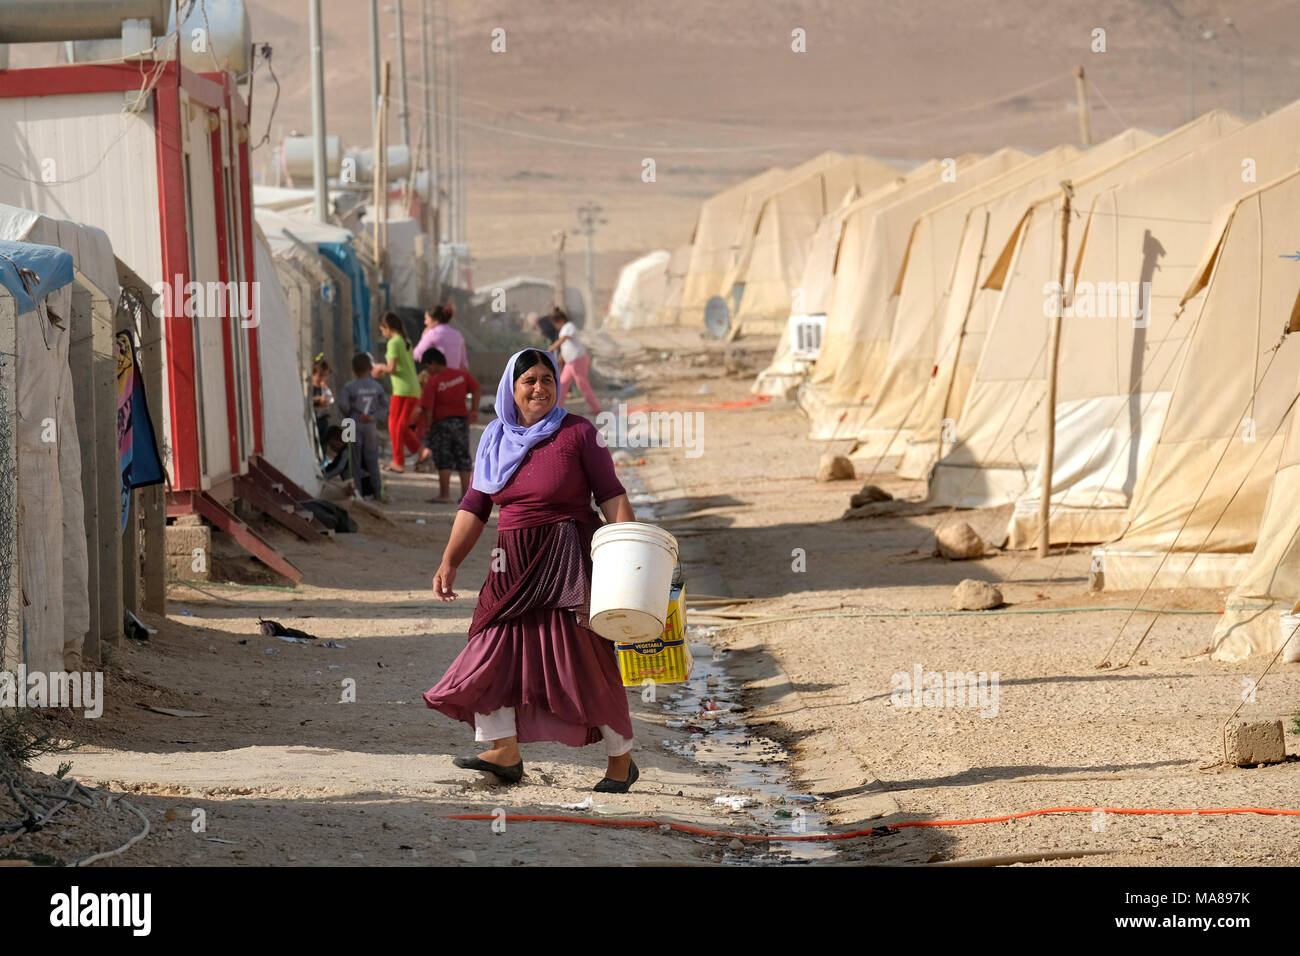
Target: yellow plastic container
<point>665,659</point>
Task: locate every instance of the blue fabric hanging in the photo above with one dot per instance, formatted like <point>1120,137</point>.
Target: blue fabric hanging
<point>51,269</point>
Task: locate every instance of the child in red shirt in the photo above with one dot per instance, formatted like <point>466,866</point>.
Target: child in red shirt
<point>445,422</point>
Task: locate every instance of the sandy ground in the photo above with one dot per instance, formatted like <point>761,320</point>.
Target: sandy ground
<point>285,773</point>
<point>1064,733</point>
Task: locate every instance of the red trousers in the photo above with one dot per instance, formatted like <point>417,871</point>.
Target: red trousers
<point>400,430</point>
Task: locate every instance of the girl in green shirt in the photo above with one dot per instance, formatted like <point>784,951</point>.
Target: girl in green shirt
<point>406,391</point>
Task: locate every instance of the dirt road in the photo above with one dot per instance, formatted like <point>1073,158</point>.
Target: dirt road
<point>284,771</point>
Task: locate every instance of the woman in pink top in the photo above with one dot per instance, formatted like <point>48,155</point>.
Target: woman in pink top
<point>532,669</point>
<point>438,334</point>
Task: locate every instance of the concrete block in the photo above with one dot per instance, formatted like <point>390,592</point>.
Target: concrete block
<point>1251,742</point>
<point>182,566</point>
<point>181,540</point>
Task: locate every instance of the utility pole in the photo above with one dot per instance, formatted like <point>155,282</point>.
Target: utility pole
<point>381,177</point>
<point>458,155</point>
<point>321,200</point>
<point>558,236</point>
<point>374,62</point>
<point>589,217</point>
<point>1053,352</point>
<point>1085,120</point>
<point>426,76</point>
<point>403,112</point>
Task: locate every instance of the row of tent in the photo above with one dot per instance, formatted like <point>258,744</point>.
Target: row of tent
<point>1177,444</point>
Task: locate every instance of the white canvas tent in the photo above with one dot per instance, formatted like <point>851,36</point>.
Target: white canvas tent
<point>783,230</point>
<point>1201,495</point>
<point>998,434</point>
<point>287,419</point>
<point>713,243</point>
<point>640,292</point>
<point>919,291</point>
<point>670,312</point>
<point>54,540</point>
<point>859,322</point>
<point>815,286</point>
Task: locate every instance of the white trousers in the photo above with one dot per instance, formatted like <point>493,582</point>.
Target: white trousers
<point>501,724</point>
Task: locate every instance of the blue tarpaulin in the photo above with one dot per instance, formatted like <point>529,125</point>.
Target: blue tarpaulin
<point>343,256</point>
<point>52,268</point>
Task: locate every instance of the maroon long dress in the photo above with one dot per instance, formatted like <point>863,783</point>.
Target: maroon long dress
<point>529,647</point>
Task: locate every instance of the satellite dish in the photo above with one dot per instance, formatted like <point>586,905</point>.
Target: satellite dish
<point>717,317</point>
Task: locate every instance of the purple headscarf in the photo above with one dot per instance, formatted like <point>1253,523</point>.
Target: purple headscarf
<point>505,442</point>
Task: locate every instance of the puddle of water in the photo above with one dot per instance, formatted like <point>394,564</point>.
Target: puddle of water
<point>754,769</point>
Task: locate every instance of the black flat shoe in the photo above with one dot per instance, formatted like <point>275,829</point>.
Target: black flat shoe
<point>508,774</point>
<point>618,786</point>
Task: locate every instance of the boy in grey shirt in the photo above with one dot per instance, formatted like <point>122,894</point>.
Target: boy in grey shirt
<point>363,401</point>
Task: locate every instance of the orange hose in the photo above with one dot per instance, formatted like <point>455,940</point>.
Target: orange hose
<point>876,831</point>
<point>699,406</point>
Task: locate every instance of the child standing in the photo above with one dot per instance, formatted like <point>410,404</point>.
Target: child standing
<point>364,401</point>
<point>445,421</point>
<point>406,391</point>
<point>321,396</point>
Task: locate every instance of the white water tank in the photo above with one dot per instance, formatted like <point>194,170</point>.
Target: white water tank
<point>214,36</point>
<point>40,21</point>
<point>297,158</point>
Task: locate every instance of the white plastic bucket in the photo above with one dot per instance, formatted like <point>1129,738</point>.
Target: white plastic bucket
<point>631,576</point>
<point>1291,638</point>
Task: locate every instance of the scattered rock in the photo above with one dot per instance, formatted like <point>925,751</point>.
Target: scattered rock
<point>868,494</point>
<point>1255,742</point>
<point>972,595</point>
<point>465,856</point>
<point>834,467</point>
<point>959,542</point>
<point>736,845</point>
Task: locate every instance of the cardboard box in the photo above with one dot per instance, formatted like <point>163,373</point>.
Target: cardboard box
<point>665,660</point>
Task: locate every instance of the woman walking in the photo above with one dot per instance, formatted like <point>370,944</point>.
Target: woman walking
<point>576,359</point>
<point>406,391</point>
<point>532,669</point>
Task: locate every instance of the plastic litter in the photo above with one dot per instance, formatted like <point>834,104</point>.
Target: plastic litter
<point>581,805</point>
<point>734,803</point>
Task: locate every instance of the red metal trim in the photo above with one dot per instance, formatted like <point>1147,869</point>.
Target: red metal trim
<point>250,268</point>
<point>228,324</point>
<point>200,502</point>
<point>277,479</point>
<point>202,89</point>
<point>181,394</point>
<point>235,102</point>
<point>254,491</point>
<point>76,78</point>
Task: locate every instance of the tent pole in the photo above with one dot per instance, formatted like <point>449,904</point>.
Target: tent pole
<point>320,181</point>
<point>1049,406</point>
<point>1085,120</point>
